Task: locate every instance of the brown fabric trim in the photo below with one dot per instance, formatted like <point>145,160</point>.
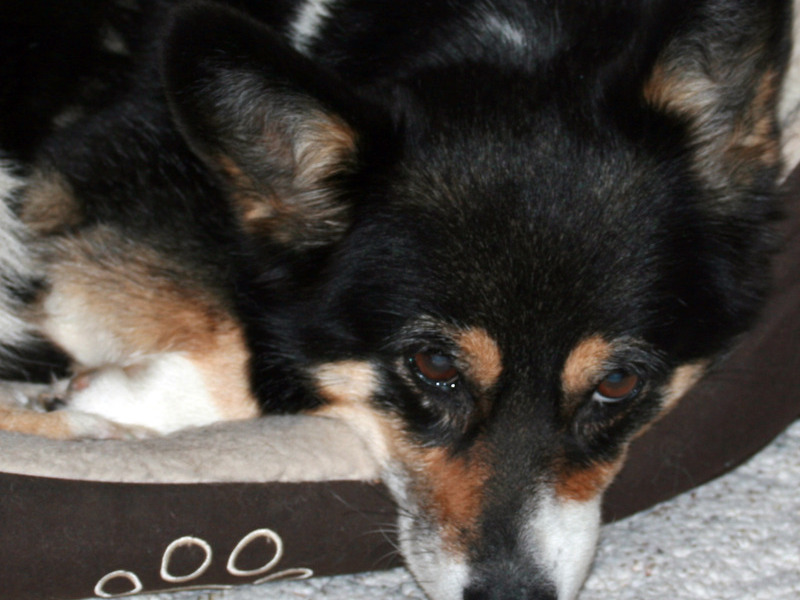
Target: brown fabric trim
<point>60,537</point>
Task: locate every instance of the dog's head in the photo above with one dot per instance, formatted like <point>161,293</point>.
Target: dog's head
<point>500,273</point>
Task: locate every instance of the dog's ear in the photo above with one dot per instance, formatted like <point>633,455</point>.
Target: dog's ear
<point>282,132</point>
<point>717,79</point>
<point>720,73</point>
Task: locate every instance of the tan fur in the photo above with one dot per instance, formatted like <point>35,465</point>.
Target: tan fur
<point>253,206</point>
<point>672,88</point>
<point>682,380</point>
<point>731,146</point>
<point>452,489</point>
<point>448,486</point>
<point>52,425</point>
<point>755,139</point>
<point>585,484</point>
<point>116,302</point>
<point>585,360</point>
<point>50,205</point>
<point>326,146</point>
<point>224,368</point>
<point>296,205</point>
<point>346,382</point>
<point>62,425</point>
<point>139,296</point>
<point>482,355</point>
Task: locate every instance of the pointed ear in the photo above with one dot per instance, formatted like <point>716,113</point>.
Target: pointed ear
<point>721,73</point>
<point>282,132</point>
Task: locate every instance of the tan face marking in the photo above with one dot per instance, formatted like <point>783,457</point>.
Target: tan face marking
<point>348,388</point>
<point>584,484</point>
<point>449,488</point>
<point>585,360</point>
<point>682,380</point>
<point>482,356</point>
<point>452,489</point>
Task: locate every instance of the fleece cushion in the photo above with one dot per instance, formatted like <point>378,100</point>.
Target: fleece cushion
<point>297,496</point>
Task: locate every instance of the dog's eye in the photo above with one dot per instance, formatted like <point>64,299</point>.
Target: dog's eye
<point>617,385</point>
<point>435,368</point>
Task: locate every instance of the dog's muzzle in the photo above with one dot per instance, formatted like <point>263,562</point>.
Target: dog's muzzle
<point>543,554</point>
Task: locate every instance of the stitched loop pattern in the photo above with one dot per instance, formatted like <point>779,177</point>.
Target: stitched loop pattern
<point>180,543</point>
<point>100,591</point>
<point>267,535</point>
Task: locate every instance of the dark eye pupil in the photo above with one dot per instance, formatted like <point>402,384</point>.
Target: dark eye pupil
<point>618,385</point>
<point>437,368</point>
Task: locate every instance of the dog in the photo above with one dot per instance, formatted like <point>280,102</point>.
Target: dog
<point>497,237</point>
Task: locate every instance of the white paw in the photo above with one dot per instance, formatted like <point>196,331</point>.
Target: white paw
<point>20,395</point>
<point>86,425</point>
<point>78,406</point>
<point>162,393</point>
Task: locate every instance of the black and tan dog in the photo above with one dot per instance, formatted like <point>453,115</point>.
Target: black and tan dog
<point>499,237</point>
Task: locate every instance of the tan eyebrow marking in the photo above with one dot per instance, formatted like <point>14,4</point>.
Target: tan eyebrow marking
<point>682,380</point>
<point>583,362</point>
<point>482,355</point>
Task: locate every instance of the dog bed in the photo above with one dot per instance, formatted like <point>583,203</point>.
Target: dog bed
<point>298,496</point>
<point>291,497</point>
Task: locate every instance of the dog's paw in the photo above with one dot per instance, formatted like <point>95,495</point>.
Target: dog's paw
<point>73,417</point>
<point>51,397</point>
<point>60,394</point>
<point>20,394</point>
<point>84,425</point>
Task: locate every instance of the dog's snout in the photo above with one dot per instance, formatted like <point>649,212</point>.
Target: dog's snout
<point>510,590</point>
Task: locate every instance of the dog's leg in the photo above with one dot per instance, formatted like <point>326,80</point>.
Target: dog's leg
<point>161,393</point>
<point>19,411</point>
<point>153,346</point>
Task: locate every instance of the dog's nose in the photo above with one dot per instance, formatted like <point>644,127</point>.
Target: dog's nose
<point>509,590</point>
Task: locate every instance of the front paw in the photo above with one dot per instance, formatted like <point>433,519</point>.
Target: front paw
<point>53,397</point>
<point>59,394</point>
<point>66,399</point>
<point>89,426</point>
